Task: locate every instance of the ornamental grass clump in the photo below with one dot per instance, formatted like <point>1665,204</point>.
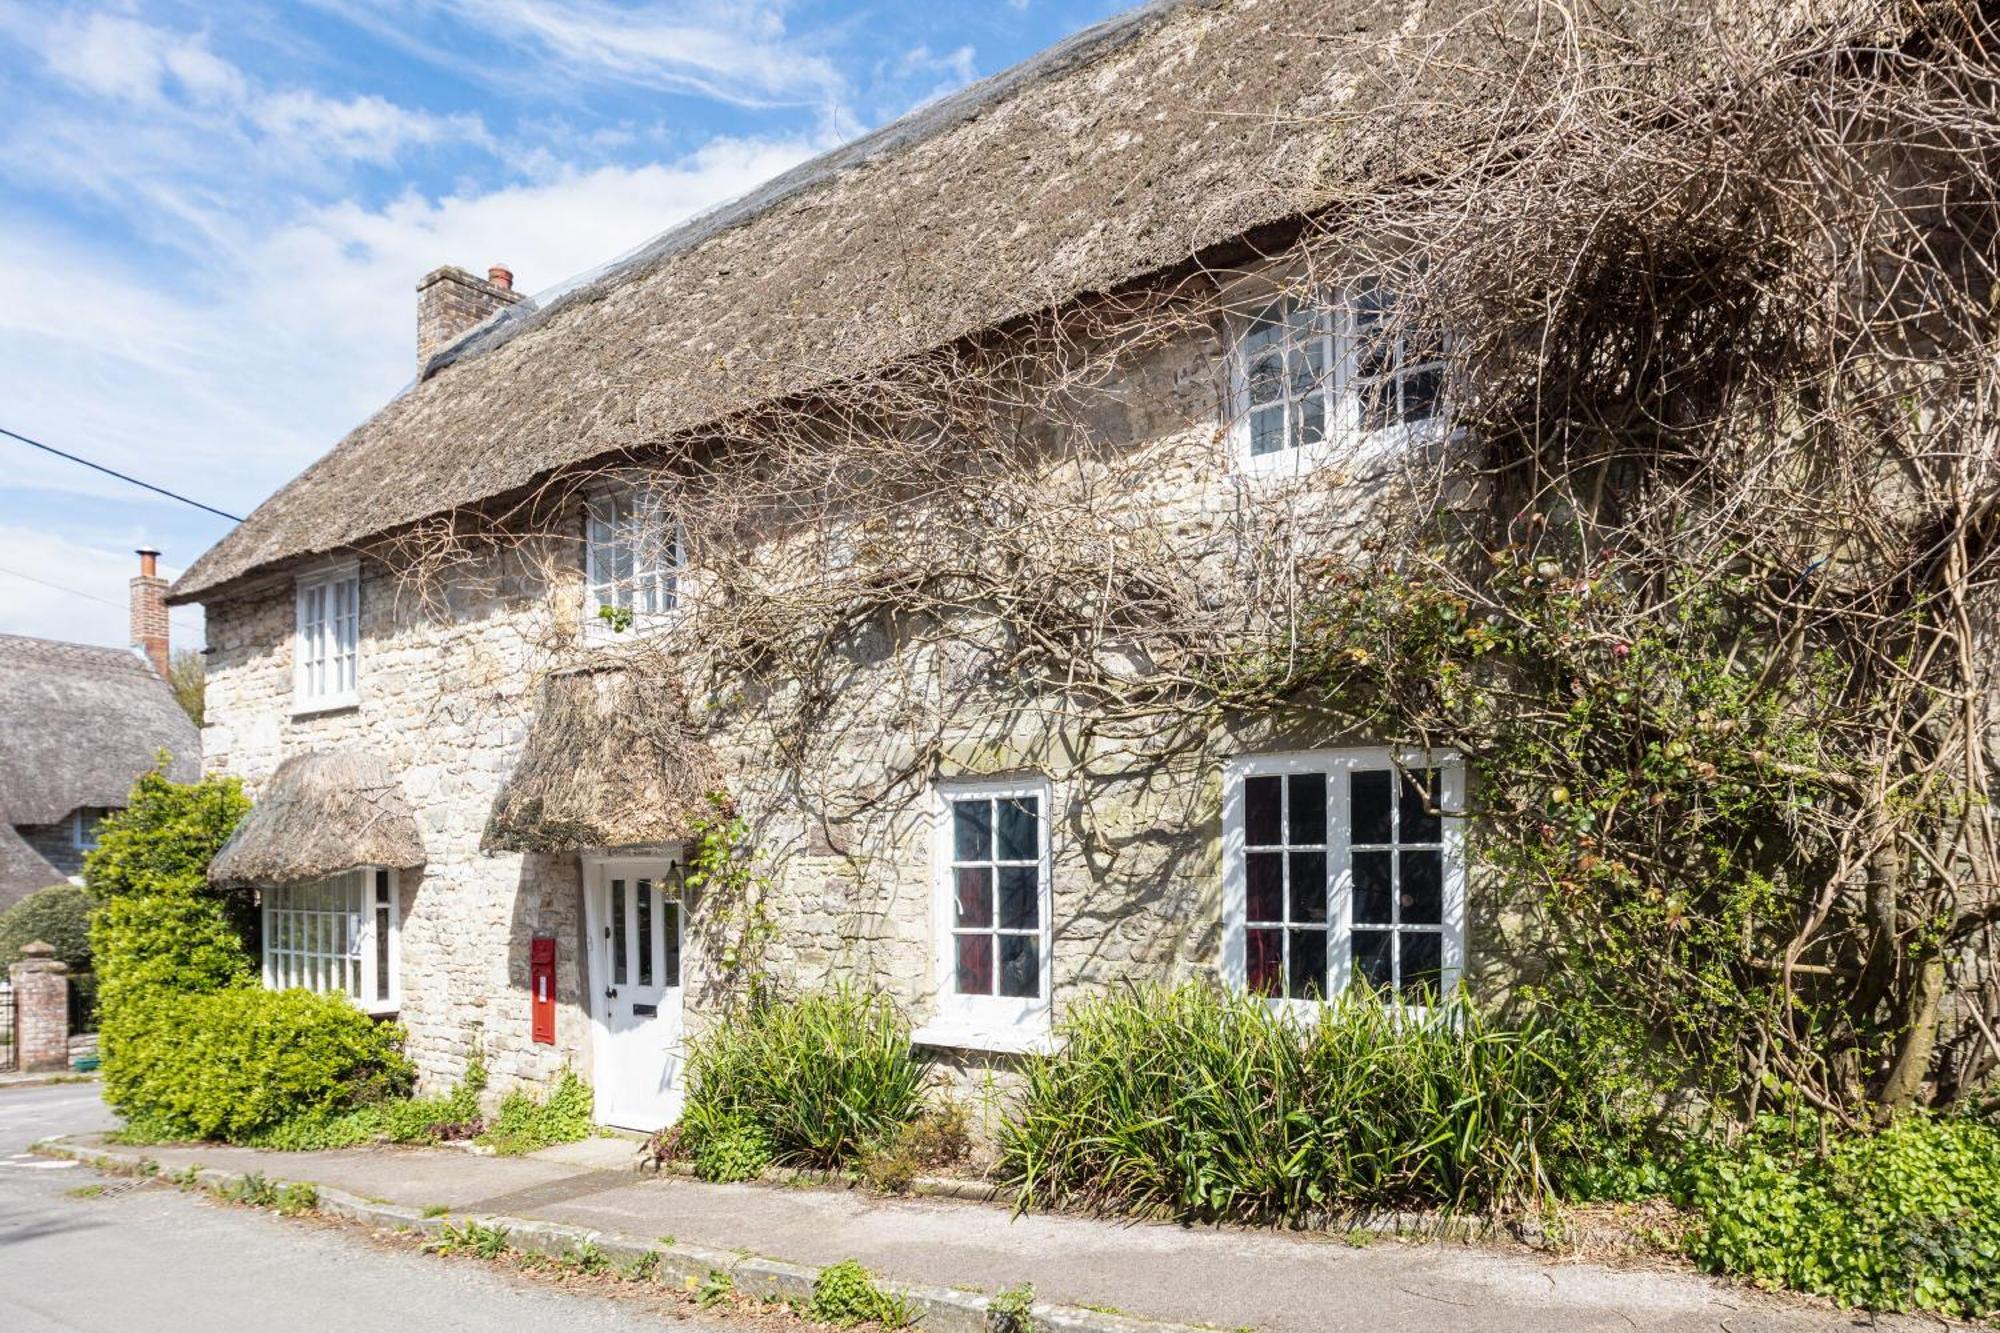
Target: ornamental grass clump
<point>822,1077</point>
<point>1195,1104</point>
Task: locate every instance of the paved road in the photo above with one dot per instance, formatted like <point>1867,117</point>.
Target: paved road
<point>156,1259</point>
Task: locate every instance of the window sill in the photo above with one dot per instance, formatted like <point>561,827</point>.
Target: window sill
<point>964,1035</point>
<point>332,703</point>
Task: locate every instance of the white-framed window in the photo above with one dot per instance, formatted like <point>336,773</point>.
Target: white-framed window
<point>1344,866</point>
<point>327,644</point>
<point>339,935</point>
<point>83,827</point>
<point>1312,371</point>
<point>633,559</point>
<point>992,910</point>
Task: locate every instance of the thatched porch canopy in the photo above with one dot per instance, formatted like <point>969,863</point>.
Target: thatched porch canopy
<point>322,813</point>
<point>611,761</point>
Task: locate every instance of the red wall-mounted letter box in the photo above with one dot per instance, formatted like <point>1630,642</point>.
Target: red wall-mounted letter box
<point>542,983</point>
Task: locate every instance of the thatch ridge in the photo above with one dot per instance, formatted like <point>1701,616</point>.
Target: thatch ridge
<point>79,724</point>
<point>612,760</point>
<point>1153,140</point>
<point>321,813</point>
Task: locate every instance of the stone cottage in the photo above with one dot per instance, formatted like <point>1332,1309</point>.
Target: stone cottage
<point>78,724</point>
<point>713,537</point>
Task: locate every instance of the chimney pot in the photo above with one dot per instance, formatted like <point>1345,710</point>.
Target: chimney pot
<point>501,276</point>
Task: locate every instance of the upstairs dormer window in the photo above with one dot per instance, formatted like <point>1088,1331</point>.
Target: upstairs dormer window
<point>327,642</point>
<point>633,558</point>
<point>1316,370</point>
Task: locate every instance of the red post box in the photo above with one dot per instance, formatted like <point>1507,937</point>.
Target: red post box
<point>542,985</point>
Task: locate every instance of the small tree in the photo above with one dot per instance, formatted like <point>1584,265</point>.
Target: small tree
<point>163,840</point>
<point>58,915</point>
<point>187,676</point>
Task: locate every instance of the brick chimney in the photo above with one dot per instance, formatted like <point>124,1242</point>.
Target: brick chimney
<point>450,301</point>
<point>149,611</point>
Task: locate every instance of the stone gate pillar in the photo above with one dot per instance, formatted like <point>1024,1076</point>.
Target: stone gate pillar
<point>41,1009</point>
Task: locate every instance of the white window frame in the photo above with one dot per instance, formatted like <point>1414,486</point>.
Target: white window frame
<point>324,944</point>
<point>317,648</point>
<point>1344,433</point>
<point>987,1022</point>
<point>1340,766</point>
<point>668,578</point>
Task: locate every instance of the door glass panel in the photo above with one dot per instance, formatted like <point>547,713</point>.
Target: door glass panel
<point>618,969</point>
<point>670,913</point>
<point>644,891</point>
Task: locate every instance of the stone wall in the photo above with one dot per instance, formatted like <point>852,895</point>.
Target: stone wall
<point>845,834</point>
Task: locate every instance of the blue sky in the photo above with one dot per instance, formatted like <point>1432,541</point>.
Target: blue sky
<point>213,216</point>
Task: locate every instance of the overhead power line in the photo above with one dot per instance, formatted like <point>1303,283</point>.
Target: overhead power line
<point>113,472</point>
<point>87,596</point>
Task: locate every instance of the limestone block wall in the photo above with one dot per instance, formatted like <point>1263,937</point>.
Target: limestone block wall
<point>844,836</point>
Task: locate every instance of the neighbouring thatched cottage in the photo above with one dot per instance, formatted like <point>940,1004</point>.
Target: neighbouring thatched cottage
<point>896,511</point>
<point>78,724</point>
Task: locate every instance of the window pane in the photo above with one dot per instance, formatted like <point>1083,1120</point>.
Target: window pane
<point>1020,905</point>
<point>1308,965</point>
<point>383,972</point>
<point>643,900</point>
<point>1308,797</point>
<point>1372,889</point>
<point>1369,802</point>
<point>1266,379</point>
<point>1266,959</point>
<point>1020,967</point>
<point>1418,818</point>
<point>1312,419</point>
<point>1373,958</point>
<point>975,895</point>
<point>1264,876</point>
<point>1309,887</point>
<point>1263,812</point>
<point>1267,430</point>
<point>1422,965</point>
<point>975,964</point>
<point>1421,392</point>
<point>1422,888</point>
<point>972,830</point>
<point>670,912</point>
<point>1019,836</point>
<point>618,932</point>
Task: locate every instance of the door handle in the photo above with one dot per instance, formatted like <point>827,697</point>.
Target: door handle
<point>610,992</point>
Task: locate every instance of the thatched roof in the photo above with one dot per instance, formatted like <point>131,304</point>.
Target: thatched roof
<point>611,761</point>
<point>23,870</point>
<point>78,725</point>
<point>1122,152</point>
<point>321,813</point>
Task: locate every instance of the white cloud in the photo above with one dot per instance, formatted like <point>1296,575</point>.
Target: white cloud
<point>52,587</point>
<point>733,50</point>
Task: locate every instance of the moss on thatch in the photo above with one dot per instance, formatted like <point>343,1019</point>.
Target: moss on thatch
<point>612,761</point>
<point>322,813</point>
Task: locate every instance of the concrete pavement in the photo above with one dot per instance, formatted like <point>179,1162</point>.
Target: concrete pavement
<point>153,1258</point>
<point>1225,1278</point>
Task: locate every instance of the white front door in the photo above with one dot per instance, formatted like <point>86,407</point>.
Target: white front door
<point>633,912</point>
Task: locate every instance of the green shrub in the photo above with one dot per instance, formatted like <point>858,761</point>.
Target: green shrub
<point>731,1151</point>
<point>844,1295</point>
<point>1907,1218</point>
<point>527,1122</point>
<point>419,1120</point>
<point>165,836</point>
<point>1198,1104</point>
<point>823,1076</point>
<point>237,1063</point>
<point>58,916</point>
